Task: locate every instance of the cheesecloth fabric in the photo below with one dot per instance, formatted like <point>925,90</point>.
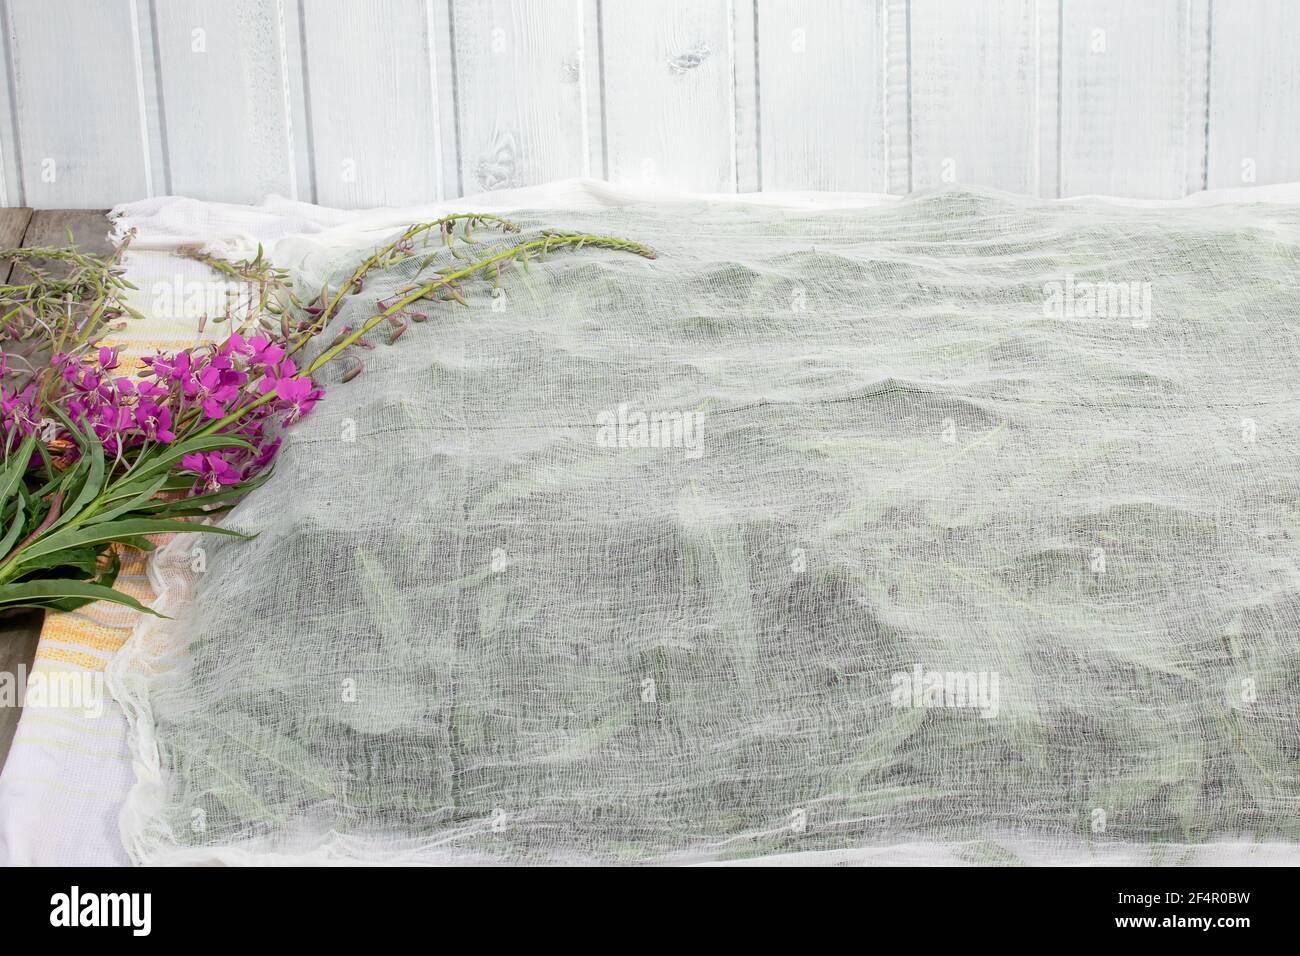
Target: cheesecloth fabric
<point>962,528</point>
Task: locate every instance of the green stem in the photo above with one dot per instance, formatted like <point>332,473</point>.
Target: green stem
<point>546,244</point>
<point>383,253</point>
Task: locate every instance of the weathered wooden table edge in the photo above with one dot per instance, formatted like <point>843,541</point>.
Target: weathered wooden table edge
<point>23,228</point>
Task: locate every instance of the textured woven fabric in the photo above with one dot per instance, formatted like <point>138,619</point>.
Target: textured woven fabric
<point>966,522</point>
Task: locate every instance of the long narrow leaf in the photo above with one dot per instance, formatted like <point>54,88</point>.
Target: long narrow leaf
<point>106,579</point>
<point>116,531</point>
<point>15,468</point>
<point>182,509</point>
<point>83,559</point>
<point>91,488</point>
<point>46,593</point>
<point>15,528</point>
<point>70,425</point>
<point>132,504</point>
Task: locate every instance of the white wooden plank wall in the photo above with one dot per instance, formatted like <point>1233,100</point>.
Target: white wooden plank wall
<point>821,93</point>
<point>1254,93</point>
<point>668,89</point>
<point>374,127</point>
<point>1133,97</point>
<point>372,102</point>
<point>195,40</point>
<point>527,121</point>
<point>974,94</point>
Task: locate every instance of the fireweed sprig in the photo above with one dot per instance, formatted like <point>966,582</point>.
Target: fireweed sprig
<point>57,301</point>
<point>270,298</point>
<point>446,289</point>
<point>95,459</point>
<point>402,248</point>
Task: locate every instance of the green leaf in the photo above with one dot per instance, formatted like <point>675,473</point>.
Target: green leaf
<point>91,488</point>
<point>109,576</point>
<point>50,593</point>
<point>251,746</point>
<point>70,480</point>
<point>15,528</point>
<point>139,542</point>
<point>70,425</point>
<point>384,602</point>
<point>57,478</point>
<point>117,531</point>
<point>132,504</point>
<point>179,481</point>
<point>105,579</point>
<point>15,467</point>
<point>80,559</point>
<point>46,461</point>
<point>592,738</point>
<point>179,509</point>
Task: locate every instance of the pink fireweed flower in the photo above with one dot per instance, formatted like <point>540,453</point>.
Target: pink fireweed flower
<point>207,382</point>
<point>213,470</point>
<point>236,344</point>
<point>299,395</point>
<point>70,368</point>
<point>107,359</point>
<point>225,355</point>
<point>169,368</point>
<point>80,376</point>
<point>155,421</point>
<point>155,365</point>
<point>113,421</point>
<point>264,456</point>
<point>213,388</point>
<point>264,351</point>
<point>148,389</point>
<point>286,369</point>
<point>19,411</point>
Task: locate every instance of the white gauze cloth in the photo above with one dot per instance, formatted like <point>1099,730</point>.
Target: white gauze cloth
<point>957,528</point>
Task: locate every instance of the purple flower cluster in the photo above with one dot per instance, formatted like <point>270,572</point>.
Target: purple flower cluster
<point>182,391</point>
<point>19,414</point>
<point>19,409</point>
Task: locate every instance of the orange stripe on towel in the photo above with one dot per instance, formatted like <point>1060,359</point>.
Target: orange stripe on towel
<point>88,661</point>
